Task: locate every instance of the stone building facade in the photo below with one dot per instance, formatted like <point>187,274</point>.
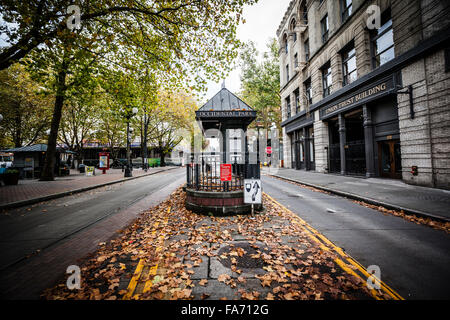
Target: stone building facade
<point>365,88</point>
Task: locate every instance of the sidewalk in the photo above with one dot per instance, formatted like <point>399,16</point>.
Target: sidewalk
<point>170,253</point>
<point>392,194</point>
<point>32,191</point>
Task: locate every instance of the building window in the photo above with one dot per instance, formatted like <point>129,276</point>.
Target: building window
<point>301,153</point>
<point>383,41</point>
<point>308,91</point>
<point>288,107</point>
<point>294,34</point>
<point>297,100</point>
<point>349,64</point>
<point>304,14</point>
<point>325,27</point>
<point>326,79</point>
<point>306,46</point>
<point>346,7</point>
<point>287,73</point>
<point>296,60</point>
<point>285,43</point>
<point>311,144</point>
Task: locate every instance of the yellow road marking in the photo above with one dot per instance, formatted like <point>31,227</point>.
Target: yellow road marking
<point>153,270</point>
<point>134,279</point>
<point>315,235</point>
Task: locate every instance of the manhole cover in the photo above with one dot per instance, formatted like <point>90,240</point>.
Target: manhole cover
<point>244,262</point>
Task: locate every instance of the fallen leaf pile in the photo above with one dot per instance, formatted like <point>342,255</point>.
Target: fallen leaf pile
<point>439,225</point>
<point>264,256</point>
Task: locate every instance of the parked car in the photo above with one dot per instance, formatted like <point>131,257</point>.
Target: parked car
<point>173,161</point>
<point>136,162</point>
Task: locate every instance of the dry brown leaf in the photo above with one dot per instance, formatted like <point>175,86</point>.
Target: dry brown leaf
<point>223,277</point>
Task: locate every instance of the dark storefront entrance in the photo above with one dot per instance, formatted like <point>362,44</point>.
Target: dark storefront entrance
<point>301,131</point>
<point>303,157</point>
<point>364,132</point>
<point>389,159</point>
<point>355,157</point>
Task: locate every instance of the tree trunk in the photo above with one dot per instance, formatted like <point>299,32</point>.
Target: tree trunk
<point>18,131</point>
<point>162,156</point>
<point>78,156</point>
<point>144,145</point>
<point>48,172</point>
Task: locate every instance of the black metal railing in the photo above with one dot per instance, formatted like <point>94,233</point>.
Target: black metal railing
<point>203,174</point>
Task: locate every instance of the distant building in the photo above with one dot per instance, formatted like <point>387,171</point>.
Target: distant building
<point>362,99</point>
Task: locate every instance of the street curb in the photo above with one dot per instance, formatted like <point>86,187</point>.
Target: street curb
<point>369,200</point>
<point>22,203</point>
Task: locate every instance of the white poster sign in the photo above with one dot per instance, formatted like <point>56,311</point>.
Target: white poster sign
<point>252,191</point>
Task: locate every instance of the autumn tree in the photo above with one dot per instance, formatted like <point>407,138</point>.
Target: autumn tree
<point>260,83</point>
<point>120,93</point>
<point>147,105</point>
<point>80,117</point>
<point>25,108</point>
<point>173,118</point>
<point>110,131</point>
<point>175,39</point>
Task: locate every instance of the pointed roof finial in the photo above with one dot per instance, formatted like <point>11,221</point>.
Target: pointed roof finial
<point>223,83</point>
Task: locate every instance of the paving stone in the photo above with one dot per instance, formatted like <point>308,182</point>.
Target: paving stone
<point>249,266</point>
<point>215,290</point>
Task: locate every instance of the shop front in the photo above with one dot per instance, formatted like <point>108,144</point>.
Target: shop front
<point>301,132</point>
<point>364,131</point>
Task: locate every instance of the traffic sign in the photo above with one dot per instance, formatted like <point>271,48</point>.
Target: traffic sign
<point>269,150</point>
<point>252,191</point>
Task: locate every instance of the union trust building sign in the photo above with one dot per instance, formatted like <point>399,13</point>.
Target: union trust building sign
<point>358,98</point>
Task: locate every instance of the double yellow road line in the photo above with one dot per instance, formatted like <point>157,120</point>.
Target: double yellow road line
<point>141,268</point>
<point>346,262</point>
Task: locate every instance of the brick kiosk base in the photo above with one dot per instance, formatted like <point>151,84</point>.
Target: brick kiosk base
<point>218,203</point>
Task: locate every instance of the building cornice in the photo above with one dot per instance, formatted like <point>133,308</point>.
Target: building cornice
<point>287,14</point>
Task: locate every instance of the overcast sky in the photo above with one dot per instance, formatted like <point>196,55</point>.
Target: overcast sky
<point>262,21</point>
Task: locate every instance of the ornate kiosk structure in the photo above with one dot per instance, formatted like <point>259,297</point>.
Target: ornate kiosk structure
<point>215,180</point>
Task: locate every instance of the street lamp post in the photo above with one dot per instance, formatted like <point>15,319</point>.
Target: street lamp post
<point>258,126</point>
<point>128,172</point>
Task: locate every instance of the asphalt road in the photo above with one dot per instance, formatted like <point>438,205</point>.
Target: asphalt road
<point>69,228</point>
<point>414,260</point>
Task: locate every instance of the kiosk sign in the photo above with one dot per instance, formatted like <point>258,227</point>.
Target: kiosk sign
<point>225,172</point>
<point>103,163</point>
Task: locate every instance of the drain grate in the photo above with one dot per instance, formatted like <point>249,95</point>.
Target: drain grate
<point>244,262</point>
